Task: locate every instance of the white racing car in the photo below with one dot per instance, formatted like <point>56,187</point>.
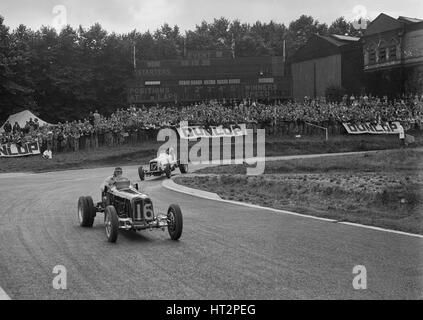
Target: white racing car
<point>165,163</point>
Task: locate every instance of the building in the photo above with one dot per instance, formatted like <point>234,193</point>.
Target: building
<point>393,56</point>
<point>327,61</point>
<point>209,75</point>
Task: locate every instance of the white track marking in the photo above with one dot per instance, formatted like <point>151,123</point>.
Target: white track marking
<point>3,295</point>
<point>381,229</point>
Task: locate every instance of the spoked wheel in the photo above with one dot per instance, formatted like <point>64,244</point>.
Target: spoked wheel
<point>183,168</point>
<point>168,171</point>
<point>111,223</point>
<point>175,221</point>
<point>86,212</point>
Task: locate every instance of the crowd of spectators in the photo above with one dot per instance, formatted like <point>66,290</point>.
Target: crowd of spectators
<point>124,123</point>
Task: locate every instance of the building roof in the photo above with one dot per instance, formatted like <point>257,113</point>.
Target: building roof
<point>345,38</point>
<point>384,23</point>
<point>409,20</point>
<point>322,46</point>
<point>338,40</point>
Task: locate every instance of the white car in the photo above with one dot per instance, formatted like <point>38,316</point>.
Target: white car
<point>165,163</point>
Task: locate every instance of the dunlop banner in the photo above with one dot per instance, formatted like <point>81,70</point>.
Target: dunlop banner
<point>14,150</point>
<point>195,132</point>
<point>367,127</point>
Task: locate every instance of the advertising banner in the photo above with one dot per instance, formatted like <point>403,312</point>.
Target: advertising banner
<point>367,127</point>
<point>195,132</point>
<point>14,150</point>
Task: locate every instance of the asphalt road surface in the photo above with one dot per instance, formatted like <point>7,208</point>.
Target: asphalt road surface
<point>226,251</point>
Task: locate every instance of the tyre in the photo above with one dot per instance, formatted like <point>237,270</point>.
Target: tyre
<point>141,173</point>
<point>111,223</point>
<point>183,168</point>
<point>85,212</point>
<point>175,222</point>
<point>91,206</point>
<point>168,171</point>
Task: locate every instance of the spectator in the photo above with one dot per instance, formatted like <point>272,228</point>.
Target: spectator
<point>36,124</point>
<point>48,154</point>
<point>7,127</point>
<point>97,117</point>
<point>91,118</point>
<point>16,128</point>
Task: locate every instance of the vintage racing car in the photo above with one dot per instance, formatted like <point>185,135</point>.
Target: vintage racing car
<point>165,163</point>
<point>126,208</point>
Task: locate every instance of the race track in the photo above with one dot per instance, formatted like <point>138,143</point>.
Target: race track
<point>226,251</point>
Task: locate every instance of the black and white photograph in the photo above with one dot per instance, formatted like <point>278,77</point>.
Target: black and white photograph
<point>211,156</point>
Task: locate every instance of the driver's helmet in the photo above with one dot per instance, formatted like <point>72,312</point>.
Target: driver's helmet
<point>167,151</point>
<point>118,172</point>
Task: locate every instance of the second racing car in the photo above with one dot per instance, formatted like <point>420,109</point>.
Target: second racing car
<point>165,163</point>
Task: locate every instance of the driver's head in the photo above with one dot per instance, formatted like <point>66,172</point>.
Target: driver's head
<point>167,151</point>
<point>118,172</point>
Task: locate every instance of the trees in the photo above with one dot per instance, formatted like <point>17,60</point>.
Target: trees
<point>301,30</point>
<point>15,80</point>
<point>342,27</point>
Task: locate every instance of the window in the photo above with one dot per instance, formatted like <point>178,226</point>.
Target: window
<point>382,54</point>
<point>393,51</point>
<point>372,56</point>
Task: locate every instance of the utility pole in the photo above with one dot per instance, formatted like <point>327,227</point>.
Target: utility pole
<point>135,60</point>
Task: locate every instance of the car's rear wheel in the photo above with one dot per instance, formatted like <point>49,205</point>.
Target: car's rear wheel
<point>175,221</point>
<point>141,173</point>
<point>85,212</point>
<point>111,223</point>
<point>168,171</point>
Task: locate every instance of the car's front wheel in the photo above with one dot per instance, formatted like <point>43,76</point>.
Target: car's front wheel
<point>175,221</point>
<point>168,171</point>
<point>86,212</point>
<point>111,223</point>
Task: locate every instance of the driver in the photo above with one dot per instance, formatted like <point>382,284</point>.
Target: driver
<point>170,152</point>
<point>110,181</point>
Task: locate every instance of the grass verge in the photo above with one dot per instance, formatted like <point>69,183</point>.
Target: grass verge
<point>383,189</point>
